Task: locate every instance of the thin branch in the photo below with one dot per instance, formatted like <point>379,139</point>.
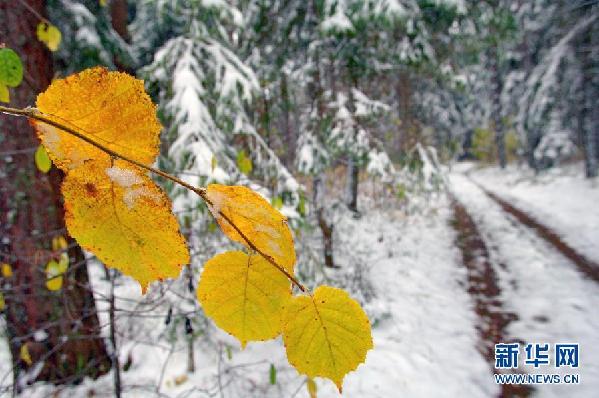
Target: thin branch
<point>33,113</point>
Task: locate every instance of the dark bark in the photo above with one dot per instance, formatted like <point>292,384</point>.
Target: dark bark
<point>325,227</point>
<point>31,214</point>
<point>118,15</point>
<point>403,92</point>
<point>353,166</point>
<point>353,173</point>
<point>289,134</point>
<point>496,101</point>
<point>318,185</point>
<point>589,115</point>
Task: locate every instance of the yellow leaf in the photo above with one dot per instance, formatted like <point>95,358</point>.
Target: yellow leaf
<point>213,163</point>
<point>102,3</point>
<point>4,93</point>
<point>110,108</point>
<point>6,270</point>
<point>122,216</point>
<point>63,263</point>
<point>54,276</point>
<point>59,243</point>
<point>2,303</point>
<point>312,389</point>
<point>244,163</point>
<point>49,34</point>
<point>42,161</point>
<point>24,354</point>
<point>327,334</point>
<point>244,295</point>
<point>265,226</point>
<point>180,380</point>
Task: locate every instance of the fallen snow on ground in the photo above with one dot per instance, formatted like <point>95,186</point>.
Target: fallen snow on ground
<point>554,302</point>
<point>561,198</point>
<point>424,332</point>
<point>427,345</point>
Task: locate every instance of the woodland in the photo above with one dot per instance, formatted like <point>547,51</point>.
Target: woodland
<point>297,198</point>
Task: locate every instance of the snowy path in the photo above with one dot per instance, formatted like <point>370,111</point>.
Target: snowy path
<point>493,319</point>
<point>562,199</point>
<point>554,302</point>
<point>427,346</point>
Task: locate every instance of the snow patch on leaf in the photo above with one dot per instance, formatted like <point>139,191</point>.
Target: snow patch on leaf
<point>124,177</point>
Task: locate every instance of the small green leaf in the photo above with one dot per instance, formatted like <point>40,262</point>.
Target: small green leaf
<point>11,68</point>
<point>213,163</point>
<point>301,207</point>
<point>229,353</point>
<point>272,374</point>
<point>42,161</point>
<point>244,162</point>
<point>277,202</point>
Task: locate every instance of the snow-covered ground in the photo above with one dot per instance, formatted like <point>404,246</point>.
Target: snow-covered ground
<point>427,345</point>
<point>553,301</point>
<point>560,198</point>
<point>408,272</point>
<point>424,333</point>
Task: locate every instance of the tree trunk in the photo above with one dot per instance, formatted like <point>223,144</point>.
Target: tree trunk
<point>325,227</point>
<point>58,329</point>
<point>118,16</point>
<point>353,167</point>
<point>589,118</point>
<point>290,139</point>
<point>351,195</point>
<point>403,141</point>
<point>496,100</point>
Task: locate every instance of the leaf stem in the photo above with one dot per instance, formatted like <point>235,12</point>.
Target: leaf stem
<point>35,114</point>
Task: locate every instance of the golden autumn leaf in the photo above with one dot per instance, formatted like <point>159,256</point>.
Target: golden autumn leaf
<point>49,35</point>
<point>244,295</point>
<point>54,272</point>
<point>24,354</point>
<point>110,108</point>
<point>265,226</point>
<point>2,302</point>
<point>4,93</point>
<point>121,215</point>
<point>326,334</point>
<point>59,243</point>
<point>6,270</point>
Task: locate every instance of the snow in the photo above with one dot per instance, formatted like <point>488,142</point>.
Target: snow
<point>406,271</point>
<point>131,196</point>
<point>553,301</point>
<point>560,198</point>
<point>337,22</point>
<point>123,177</point>
<point>425,338</point>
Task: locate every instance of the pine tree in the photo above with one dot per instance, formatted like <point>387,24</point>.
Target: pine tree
<point>205,92</point>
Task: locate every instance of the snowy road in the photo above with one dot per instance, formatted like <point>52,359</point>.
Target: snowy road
<point>553,301</point>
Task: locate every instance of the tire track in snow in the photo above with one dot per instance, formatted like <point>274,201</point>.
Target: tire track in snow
<point>482,285</point>
<point>553,300</point>
<point>585,265</point>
